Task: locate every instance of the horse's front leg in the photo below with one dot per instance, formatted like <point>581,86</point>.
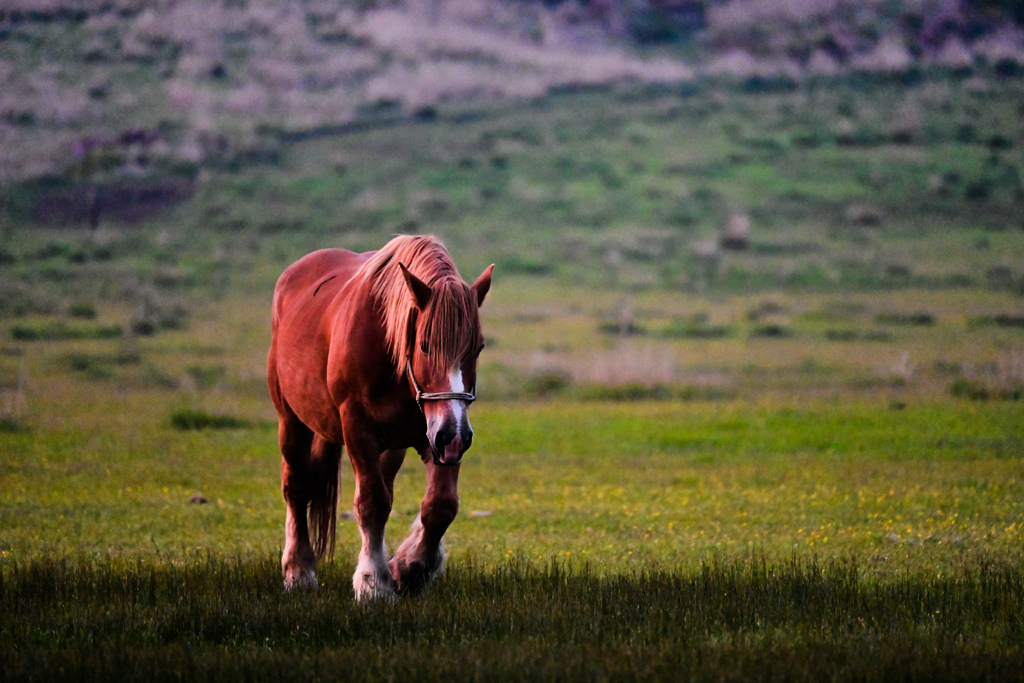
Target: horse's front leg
<point>421,557</point>
<point>390,462</point>
<point>372,506</point>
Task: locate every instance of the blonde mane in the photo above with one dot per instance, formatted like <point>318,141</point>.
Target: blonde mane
<point>451,325</point>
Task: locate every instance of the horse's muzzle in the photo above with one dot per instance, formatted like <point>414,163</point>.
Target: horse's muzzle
<point>450,443</point>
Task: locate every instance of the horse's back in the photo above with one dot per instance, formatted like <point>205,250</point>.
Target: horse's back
<point>312,272</point>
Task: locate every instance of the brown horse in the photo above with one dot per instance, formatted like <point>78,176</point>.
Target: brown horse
<point>375,352</point>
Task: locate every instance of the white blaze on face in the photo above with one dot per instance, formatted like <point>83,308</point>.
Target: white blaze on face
<point>450,414</point>
<point>459,415</point>
<point>458,407</point>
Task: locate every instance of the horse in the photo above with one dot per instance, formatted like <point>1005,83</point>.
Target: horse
<point>376,352</point>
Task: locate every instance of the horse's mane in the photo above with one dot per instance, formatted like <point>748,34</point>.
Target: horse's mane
<point>451,326</point>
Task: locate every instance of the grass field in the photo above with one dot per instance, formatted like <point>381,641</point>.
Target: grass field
<point>596,540</point>
<point>796,460</point>
<point>217,619</point>
<point>609,486</point>
<point>622,540</point>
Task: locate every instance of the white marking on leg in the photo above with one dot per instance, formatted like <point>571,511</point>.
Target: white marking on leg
<point>372,578</point>
<point>295,574</point>
<point>290,532</point>
<point>411,550</point>
<point>407,549</point>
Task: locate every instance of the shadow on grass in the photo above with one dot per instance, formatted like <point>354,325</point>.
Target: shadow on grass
<point>745,619</point>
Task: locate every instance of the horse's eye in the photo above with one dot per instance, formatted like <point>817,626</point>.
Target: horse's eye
<point>423,347</point>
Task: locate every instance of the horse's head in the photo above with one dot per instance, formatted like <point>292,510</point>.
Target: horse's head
<point>445,341</point>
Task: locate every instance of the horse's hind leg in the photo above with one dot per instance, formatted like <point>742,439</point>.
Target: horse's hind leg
<point>421,557</point>
<point>298,562</point>
<point>325,461</point>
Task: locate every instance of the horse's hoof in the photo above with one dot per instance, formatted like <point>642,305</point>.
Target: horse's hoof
<point>369,588</point>
<point>301,580</point>
<point>412,577</point>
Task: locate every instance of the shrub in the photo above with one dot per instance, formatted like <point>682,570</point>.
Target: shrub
<point>151,376</point>
<point>155,317</point>
<point>979,189</point>
<point>62,331</point>
<point>660,391</point>
<point>795,248</point>
<point>1001,278</point>
<point>967,388</point>
<point>526,265</point>
<point>100,366</point>
<point>919,319</point>
<point>864,215</point>
<point>94,367</point>
<point>83,310</point>
<point>998,320</point>
<point>696,327</point>
<point>765,309</point>
<point>18,299</point>
<point>633,391</point>
<point>12,425</point>
<point>546,383</point>
<point>774,331</point>
<point>622,329</point>
<point>810,276</point>
<point>144,327</point>
<point>842,335</point>
<point>976,390</point>
<point>191,420</point>
<point>857,335</point>
<point>206,377</point>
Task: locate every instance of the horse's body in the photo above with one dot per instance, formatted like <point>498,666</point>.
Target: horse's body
<point>355,339</point>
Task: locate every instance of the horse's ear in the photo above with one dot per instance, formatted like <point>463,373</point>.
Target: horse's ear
<point>420,290</point>
<point>482,285</point>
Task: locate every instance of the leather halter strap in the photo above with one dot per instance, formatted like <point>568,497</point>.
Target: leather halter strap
<point>421,395</point>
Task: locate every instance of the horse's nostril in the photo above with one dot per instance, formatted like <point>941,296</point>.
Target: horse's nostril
<point>445,435</point>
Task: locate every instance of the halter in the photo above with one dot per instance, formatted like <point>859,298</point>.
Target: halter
<point>421,395</point>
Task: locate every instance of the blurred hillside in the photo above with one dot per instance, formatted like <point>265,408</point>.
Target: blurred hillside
<point>128,99</point>
<point>683,200</point>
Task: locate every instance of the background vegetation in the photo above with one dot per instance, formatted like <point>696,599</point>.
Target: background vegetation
<point>750,404</point>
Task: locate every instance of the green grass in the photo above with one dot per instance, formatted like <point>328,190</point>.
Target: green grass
<point>612,486</point>
<point>630,541</point>
<point>750,620</point>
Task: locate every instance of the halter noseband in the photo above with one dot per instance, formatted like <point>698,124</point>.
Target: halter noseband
<point>421,395</point>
